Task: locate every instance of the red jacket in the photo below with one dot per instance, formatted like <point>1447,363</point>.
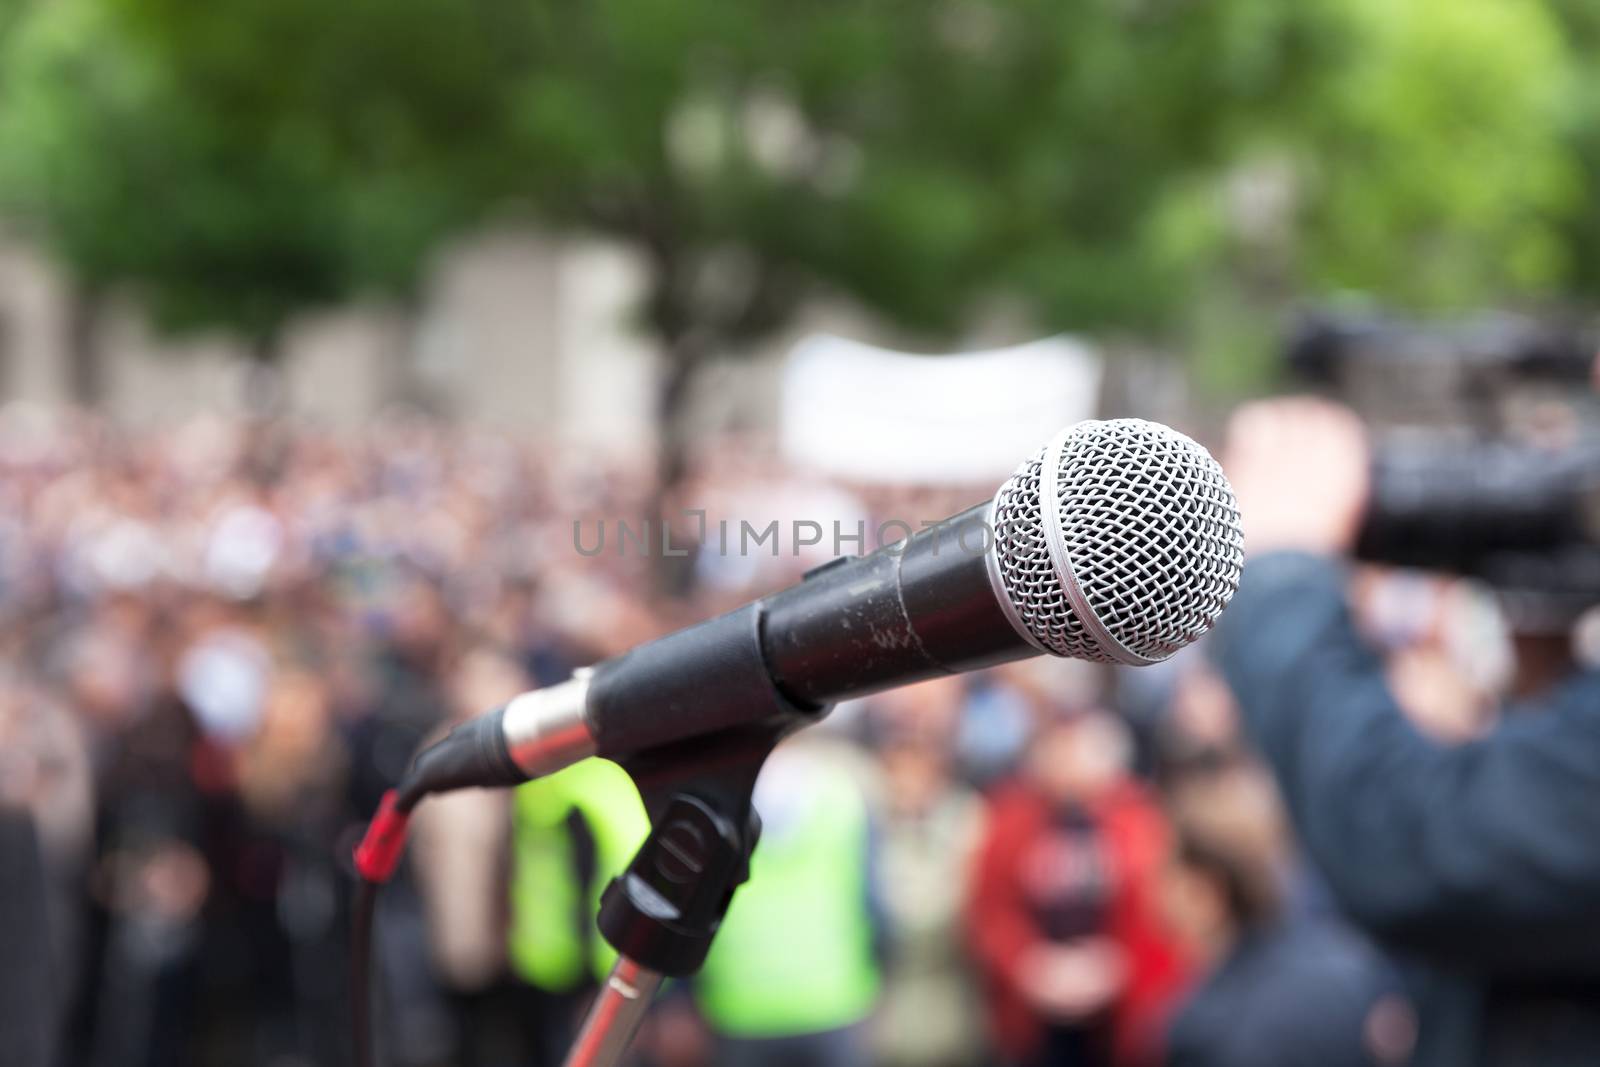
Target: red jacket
<point>1002,926</point>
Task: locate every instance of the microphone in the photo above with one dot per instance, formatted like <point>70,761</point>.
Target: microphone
<point>1118,542</point>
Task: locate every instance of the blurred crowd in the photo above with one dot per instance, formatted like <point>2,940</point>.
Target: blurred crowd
<point>225,639</point>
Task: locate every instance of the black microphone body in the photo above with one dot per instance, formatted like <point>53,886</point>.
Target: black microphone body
<point>921,608</point>
<point>857,625</point>
<point>1117,542</point>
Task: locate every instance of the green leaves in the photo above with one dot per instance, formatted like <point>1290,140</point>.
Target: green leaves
<point>1435,171</point>
<point>1098,162</point>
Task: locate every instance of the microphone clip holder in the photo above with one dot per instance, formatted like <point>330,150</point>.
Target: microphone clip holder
<point>663,911</point>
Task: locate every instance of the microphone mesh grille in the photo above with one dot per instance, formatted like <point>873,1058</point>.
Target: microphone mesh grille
<point>1030,579</point>
<point>1151,535</point>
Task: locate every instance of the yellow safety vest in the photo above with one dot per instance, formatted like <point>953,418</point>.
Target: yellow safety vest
<point>794,955</point>
<point>552,914</point>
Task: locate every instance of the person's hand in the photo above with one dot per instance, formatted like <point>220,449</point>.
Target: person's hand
<point>1066,983</point>
<point>1300,469</point>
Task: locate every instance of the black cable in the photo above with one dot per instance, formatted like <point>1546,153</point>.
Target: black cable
<point>473,754</point>
<point>386,835</point>
<point>361,923</point>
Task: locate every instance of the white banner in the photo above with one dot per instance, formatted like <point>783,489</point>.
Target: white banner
<point>869,414</point>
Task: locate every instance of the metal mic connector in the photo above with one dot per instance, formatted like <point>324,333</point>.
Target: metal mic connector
<point>548,729</point>
<point>537,733</point>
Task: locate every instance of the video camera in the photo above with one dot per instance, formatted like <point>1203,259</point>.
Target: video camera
<point>1486,450</point>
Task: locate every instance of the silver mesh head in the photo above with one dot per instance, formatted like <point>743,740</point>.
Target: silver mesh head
<point>1119,542</point>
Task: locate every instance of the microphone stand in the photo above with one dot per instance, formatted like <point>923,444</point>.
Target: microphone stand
<point>615,1016</point>
<point>663,911</point>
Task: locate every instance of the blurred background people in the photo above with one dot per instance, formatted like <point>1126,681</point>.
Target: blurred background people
<point>197,750</point>
<point>1064,915</point>
<point>573,832</point>
<point>1276,984</point>
<point>1471,858</point>
<point>29,1010</point>
<point>461,855</point>
<point>46,780</point>
<point>339,344</point>
<point>928,825</point>
<point>794,973</point>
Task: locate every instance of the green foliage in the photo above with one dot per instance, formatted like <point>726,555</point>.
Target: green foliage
<point>1580,22</point>
<point>920,156</point>
<point>224,201</point>
<point>241,159</point>
<point>128,182</point>
<point>1435,171</point>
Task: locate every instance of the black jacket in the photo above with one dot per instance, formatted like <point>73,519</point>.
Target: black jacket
<point>27,985</point>
<point>1301,993</point>
<point>1478,865</point>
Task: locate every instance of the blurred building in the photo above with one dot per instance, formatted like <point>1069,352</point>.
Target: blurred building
<point>511,330</point>
<point>514,329</point>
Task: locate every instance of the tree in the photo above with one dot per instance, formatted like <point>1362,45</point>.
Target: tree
<point>219,201</point>
<point>925,158</point>
<point>1434,170</point>
<point>239,160</point>
<point>1580,23</point>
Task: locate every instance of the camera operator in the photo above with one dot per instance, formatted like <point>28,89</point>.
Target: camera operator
<point>1476,865</point>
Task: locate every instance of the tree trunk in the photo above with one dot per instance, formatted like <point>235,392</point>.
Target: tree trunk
<point>85,368</point>
<point>677,382</point>
<point>265,394</point>
<point>671,573</point>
